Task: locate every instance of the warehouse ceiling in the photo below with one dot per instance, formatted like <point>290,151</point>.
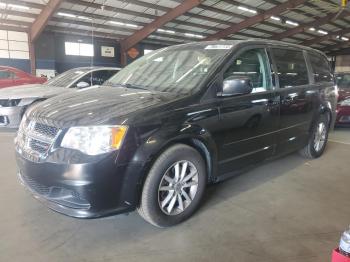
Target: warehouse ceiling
<point>320,24</point>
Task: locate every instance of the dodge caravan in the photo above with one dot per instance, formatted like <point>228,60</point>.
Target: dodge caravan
<point>172,122</point>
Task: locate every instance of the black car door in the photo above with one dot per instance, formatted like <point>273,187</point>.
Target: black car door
<point>297,107</point>
<point>247,122</point>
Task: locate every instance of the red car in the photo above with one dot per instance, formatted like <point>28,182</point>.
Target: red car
<point>343,108</point>
<point>10,76</point>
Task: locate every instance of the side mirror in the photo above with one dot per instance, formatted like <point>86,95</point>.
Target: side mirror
<point>236,85</point>
<point>82,85</point>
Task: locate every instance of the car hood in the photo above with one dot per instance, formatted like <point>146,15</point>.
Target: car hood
<point>31,91</point>
<point>98,105</point>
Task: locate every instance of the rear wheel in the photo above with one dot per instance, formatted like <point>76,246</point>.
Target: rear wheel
<point>174,186</point>
<point>318,139</point>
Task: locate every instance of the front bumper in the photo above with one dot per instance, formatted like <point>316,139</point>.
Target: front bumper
<point>343,116</point>
<point>86,190</point>
<point>10,117</point>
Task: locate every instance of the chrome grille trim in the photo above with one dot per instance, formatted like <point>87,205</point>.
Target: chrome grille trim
<point>35,140</point>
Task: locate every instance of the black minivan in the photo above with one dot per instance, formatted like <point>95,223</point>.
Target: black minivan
<point>172,122</point>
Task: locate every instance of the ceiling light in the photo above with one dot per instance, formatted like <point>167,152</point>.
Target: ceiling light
<point>344,38</point>
<point>131,25</point>
<point>247,9</point>
<point>84,18</point>
<point>18,6</point>
<point>291,23</point>
<point>194,35</point>
<point>116,23</point>
<point>66,14</point>
<point>312,29</point>
<point>322,32</point>
<point>275,18</point>
<point>165,31</point>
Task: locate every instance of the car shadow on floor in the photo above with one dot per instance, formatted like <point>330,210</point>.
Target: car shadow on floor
<point>251,178</point>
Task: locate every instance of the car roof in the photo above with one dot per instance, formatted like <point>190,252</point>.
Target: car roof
<point>251,41</point>
<point>11,68</point>
<point>94,68</point>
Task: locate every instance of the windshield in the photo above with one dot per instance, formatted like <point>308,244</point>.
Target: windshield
<point>66,78</point>
<point>178,70</point>
<point>343,80</point>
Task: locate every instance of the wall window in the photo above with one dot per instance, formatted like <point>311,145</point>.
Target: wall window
<point>79,49</point>
<point>291,67</point>
<point>14,45</point>
<point>252,64</point>
<point>320,67</point>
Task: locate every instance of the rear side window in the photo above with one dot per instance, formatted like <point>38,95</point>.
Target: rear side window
<point>4,74</point>
<point>320,67</point>
<point>291,67</point>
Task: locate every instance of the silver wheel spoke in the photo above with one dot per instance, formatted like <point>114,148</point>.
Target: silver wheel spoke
<point>189,176</point>
<point>186,196</point>
<point>166,188</point>
<point>168,179</point>
<point>167,199</point>
<point>177,172</point>
<point>193,183</point>
<point>171,204</point>
<point>181,203</point>
<point>183,170</point>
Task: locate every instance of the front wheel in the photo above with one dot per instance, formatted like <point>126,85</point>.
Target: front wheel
<point>318,139</point>
<point>174,186</point>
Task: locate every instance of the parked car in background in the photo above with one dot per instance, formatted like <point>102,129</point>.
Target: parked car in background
<point>343,108</point>
<point>10,76</point>
<point>14,101</point>
<point>173,121</point>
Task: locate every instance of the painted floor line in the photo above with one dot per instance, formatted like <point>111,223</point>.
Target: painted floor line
<point>339,142</point>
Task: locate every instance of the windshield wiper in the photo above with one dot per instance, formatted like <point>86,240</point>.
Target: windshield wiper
<point>124,85</point>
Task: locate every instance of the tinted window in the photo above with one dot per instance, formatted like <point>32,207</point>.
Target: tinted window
<point>99,77</point>
<point>5,74</point>
<point>253,65</point>
<point>320,67</point>
<point>66,78</point>
<point>291,67</point>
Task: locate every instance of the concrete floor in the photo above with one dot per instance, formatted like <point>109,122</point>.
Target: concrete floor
<point>287,210</point>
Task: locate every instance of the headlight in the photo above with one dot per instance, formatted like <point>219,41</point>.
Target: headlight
<point>94,140</point>
<point>345,102</point>
<point>9,102</point>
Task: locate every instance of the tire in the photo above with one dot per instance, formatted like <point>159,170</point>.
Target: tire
<point>158,190</point>
<point>312,150</point>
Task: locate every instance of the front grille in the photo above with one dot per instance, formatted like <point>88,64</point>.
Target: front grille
<point>36,139</point>
<point>44,130</point>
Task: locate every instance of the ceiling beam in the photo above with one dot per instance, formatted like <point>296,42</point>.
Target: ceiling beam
<point>256,19</point>
<point>326,37</point>
<point>43,18</point>
<point>301,28</point>
<point>157,23</point>
<point>331,49</point>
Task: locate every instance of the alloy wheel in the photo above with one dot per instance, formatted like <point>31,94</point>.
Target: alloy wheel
<point>320,136</point>
<point>178,187</point>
